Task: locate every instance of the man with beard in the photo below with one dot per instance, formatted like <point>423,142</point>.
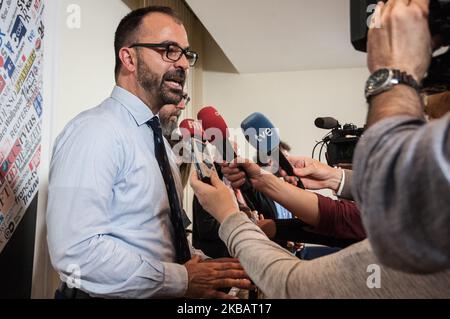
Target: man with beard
<point>114,209</point>
<point>169,116</point>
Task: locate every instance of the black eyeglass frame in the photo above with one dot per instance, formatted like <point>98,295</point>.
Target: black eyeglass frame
<point>191,56</point>
<point>186,99</point>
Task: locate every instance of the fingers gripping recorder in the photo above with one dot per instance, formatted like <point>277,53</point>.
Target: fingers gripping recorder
<point>263,135</point>
<point>193,134</point>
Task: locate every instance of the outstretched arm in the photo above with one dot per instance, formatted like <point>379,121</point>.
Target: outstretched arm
<point>402,164</point>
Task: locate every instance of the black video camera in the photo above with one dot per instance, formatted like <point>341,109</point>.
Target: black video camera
<point>340,142</point>
<point>438,78</point>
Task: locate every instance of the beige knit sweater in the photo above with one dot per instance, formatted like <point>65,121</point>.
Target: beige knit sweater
<point>347,274</point>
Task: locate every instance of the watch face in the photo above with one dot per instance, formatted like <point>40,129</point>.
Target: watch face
<point>377,80</point>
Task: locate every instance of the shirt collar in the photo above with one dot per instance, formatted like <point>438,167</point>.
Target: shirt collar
<point>138,109</point>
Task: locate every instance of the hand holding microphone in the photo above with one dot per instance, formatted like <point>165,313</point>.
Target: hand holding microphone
<point>217,199</point>
<point>241,171</point>
<point>315,174</point>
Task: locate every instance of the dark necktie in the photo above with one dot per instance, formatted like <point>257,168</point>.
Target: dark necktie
<point>180,239</point>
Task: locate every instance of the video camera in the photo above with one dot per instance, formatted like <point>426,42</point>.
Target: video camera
<point>340,143</point>
<point>438,78</point>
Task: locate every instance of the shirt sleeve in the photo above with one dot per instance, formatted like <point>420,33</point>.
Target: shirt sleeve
<point>402,184</point>
<point>346,191</point>
<point>297,231</point>
<point>87,159</point>
<point>340,219</point>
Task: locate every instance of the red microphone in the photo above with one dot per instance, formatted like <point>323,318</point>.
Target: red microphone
<point>192,128</point>
<point>211,119</point>
<point>216,132</point>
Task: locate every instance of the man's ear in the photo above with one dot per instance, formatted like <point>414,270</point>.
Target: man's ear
<point>129,59</point>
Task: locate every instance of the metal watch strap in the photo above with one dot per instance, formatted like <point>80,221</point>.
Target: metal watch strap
<point>405,78</point>
<point>397,77</point>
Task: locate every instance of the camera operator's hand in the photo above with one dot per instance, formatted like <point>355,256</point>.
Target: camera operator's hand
<point>403,41</point>
<point>315,174</point>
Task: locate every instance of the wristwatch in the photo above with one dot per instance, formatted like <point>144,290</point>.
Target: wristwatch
<point>383,80</point>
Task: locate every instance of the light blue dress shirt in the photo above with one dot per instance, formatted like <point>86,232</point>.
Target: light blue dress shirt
<point>108,213</point>
<point>283,213</point>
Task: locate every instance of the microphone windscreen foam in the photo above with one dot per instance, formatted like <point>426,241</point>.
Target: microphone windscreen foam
<point>191,128</point>
<point>260,132</point>
<point>326,123</point>
<point>211,119</point>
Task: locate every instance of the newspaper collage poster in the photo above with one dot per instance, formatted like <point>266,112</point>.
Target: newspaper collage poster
<point>21,59</point>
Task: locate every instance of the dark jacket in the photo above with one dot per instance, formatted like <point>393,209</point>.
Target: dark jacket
<point>205,229</point>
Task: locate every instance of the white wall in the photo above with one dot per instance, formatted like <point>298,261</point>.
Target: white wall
<point>43,275</point>
<point>86,61</point>
<point>291,100</point>
<point>78,74</point>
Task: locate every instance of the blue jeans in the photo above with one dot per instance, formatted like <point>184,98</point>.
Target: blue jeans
<point>313,252</point>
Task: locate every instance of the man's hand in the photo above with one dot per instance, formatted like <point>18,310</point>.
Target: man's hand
<point>222,260</point>
<point>205,278</point>
<point>315,174</point>
<point>399,37</point>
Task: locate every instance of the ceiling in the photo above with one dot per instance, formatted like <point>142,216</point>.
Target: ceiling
<point>281,35</point>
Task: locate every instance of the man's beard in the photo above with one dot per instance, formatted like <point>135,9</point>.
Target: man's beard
<point>169,127</point>
<point>155,88</point>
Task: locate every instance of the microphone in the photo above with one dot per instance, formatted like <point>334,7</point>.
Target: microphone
<point>191,128</point>
<point>263,135</point>
<point>326,123</point>
<point>192,131</point>
<point>216,132</point>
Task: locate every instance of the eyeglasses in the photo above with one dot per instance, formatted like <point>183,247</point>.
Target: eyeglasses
<point>186,99</point>
<point>173,51</point>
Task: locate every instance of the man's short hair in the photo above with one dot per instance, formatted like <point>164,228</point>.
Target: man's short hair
<point>128,30</point>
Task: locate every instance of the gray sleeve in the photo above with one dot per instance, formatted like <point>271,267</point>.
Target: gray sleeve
<point>402,185</point>
<point>351,273</point>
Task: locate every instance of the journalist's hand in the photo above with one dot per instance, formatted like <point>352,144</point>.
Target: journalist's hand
<point>233,172</point>
<point>217,199</point>
<point>315,174</point>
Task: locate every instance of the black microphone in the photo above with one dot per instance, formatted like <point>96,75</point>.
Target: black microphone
<point>262,135</point>
<point>327,123</point>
